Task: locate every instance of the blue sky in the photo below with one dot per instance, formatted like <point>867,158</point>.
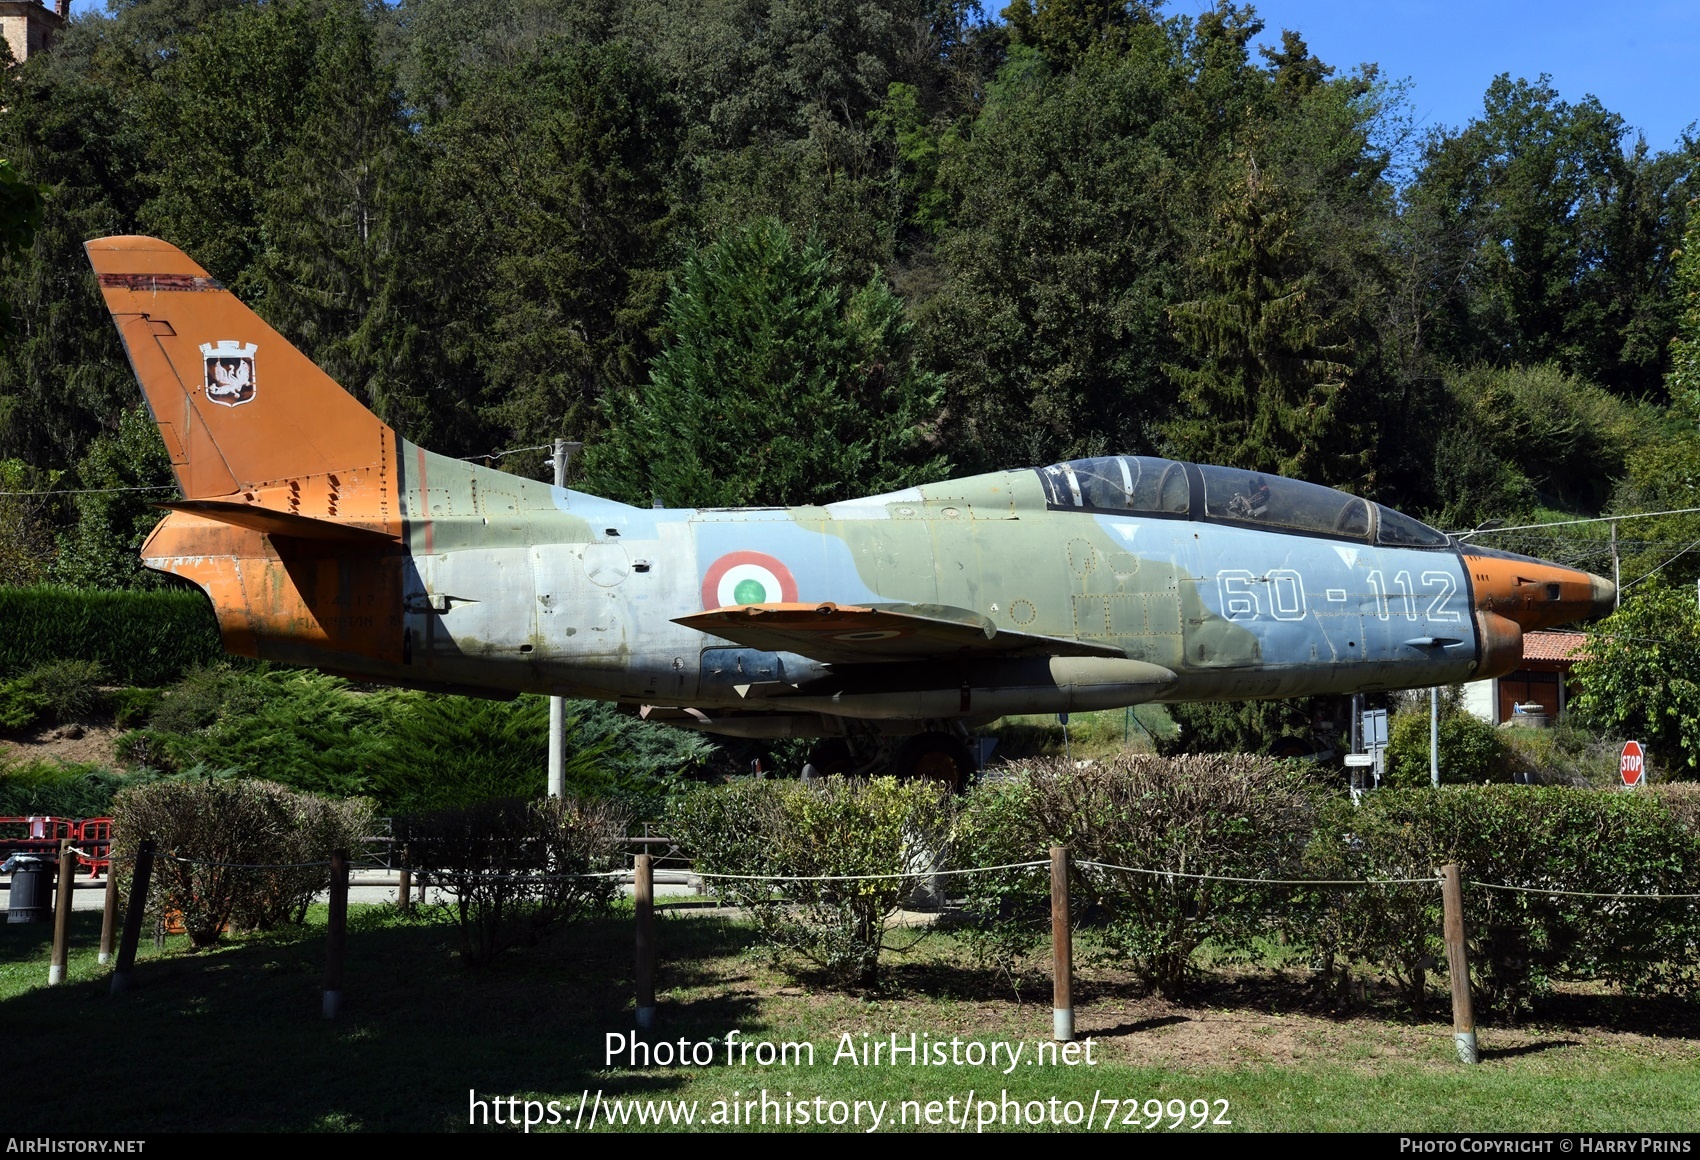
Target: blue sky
<point>1639,57</point>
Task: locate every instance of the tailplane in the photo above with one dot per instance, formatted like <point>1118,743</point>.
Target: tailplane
<point>246,418</point>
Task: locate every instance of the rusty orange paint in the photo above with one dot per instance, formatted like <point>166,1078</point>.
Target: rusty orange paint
<point>300,445</point>
<point>1533,594</point>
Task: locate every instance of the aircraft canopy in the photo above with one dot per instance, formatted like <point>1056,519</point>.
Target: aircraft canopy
<point>1142,484</point>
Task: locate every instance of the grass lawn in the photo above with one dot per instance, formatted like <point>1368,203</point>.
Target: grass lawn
<point>232,1039</point>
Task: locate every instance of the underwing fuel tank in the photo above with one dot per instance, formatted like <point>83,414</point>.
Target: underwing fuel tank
<point>1032,685</point>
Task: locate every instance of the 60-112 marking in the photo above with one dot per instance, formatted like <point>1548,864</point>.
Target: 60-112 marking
<point>1246,595</point>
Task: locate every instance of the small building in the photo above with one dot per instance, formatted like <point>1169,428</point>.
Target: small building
<point>1543,679</point>
<point>30,26</point>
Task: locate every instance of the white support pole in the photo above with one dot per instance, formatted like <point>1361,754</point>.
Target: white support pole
<point>558,705</point>
<point>1616,574</point>
<point>1434,737</point>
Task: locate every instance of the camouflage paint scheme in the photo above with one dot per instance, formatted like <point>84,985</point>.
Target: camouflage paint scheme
<point>324,539</point>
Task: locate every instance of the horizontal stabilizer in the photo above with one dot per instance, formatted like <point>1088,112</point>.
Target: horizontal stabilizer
<point>276,523</point>
<point>846,634</point>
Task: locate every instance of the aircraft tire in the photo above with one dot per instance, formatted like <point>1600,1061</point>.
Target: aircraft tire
<point>935,757</point>
<point>831,755</point>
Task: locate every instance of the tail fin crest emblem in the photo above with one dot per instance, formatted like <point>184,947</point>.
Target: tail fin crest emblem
<point>230,374</point>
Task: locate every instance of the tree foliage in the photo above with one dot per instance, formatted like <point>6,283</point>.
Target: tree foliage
<point>1640,675</point>
<point>1097,227</point>
<point>779,384</point>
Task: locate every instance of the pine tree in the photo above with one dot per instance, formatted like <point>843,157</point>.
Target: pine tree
<point>339,216</point>
<point>777,386</point>
<point>1266,376</point>
<point>1684,377</point>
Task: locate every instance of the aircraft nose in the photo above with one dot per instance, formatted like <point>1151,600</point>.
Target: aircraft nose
<point>1536,593</point>
<point>1605,596</point>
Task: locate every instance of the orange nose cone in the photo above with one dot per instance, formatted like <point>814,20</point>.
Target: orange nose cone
<point>1535,593</point>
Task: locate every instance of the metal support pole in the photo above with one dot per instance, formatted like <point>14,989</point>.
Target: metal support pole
<point>1458,964</point>
<point>643,900</point>
<point>1616,575</point>
<point>1434,737</point>
<point>109,912</point>
<point>336,936</point>
<point>62,913</point>
<point>1062,950</point>
<point>404,881</point>
<point>133,913</point>
<point>558,705</point>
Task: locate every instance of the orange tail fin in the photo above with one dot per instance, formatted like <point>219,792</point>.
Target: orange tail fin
<point>245,416</point>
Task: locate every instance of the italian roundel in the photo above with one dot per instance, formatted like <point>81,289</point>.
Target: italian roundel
<point>739,578</point>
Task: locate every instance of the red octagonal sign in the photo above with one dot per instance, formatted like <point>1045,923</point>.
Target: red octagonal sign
<point>1632,766</point>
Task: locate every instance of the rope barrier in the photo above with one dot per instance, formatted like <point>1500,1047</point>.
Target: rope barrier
<point>1262,881</point>
<point>1575,893</point>
<point>249,865</point>
<point>440,876</point>
<point>866,877</point>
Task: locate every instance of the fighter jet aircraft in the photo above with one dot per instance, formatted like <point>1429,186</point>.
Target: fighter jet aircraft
<point>882,625</point>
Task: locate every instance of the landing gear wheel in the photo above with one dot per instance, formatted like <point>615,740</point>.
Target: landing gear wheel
<point>829,756</point>
<point>937,757</point>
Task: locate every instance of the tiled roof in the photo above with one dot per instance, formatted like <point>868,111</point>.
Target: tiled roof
<point>1553,646</point>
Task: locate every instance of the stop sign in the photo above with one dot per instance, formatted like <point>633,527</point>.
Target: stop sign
<point>1631,766</point>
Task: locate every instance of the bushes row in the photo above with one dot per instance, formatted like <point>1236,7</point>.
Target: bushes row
<point>820,830</point>
<point>138,638</point>
<point>1233,818</point>
<point>240,853</point>
<point>514,868</point>
<point>234,851</point>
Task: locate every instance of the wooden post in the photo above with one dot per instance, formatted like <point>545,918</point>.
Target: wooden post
<point>62,912</point>
<point>133,917</point>
<point>404,889</point>
<point>643,901</point>
<point>1062,950</point>
<point>1458,964</point>
<point>109,913</point>
<point>336,936</point>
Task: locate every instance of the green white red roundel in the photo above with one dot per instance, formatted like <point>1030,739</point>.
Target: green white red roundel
<point>739,578</point>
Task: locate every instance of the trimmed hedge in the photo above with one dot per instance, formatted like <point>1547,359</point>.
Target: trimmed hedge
<point>1539,838</point>
<point>139,638</point>
<point>1264,831</point>
<point>898,832</point>
<point>235,851</point>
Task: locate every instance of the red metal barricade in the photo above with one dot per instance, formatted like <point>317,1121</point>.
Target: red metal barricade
<point>42,835</point>
<point>34,835</point>
<point>94,839</point>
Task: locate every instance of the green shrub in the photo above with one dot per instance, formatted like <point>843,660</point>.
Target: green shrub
<point>831,827</point>
<point>72,688</point>
<point>1238,726</point>
<point>61,789</point>
<point>133,707</point>
<point>1539,837</point>
<point>1471,750</point>
<point>22,707</point>
<point>1237,816</point>
<point>210,831</point>
<point>56,691</point>
<point>1565,753</point>
<point>512,868</point>
<point>300,729</point>
<point>139,638</point>
<point>413,751</point>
